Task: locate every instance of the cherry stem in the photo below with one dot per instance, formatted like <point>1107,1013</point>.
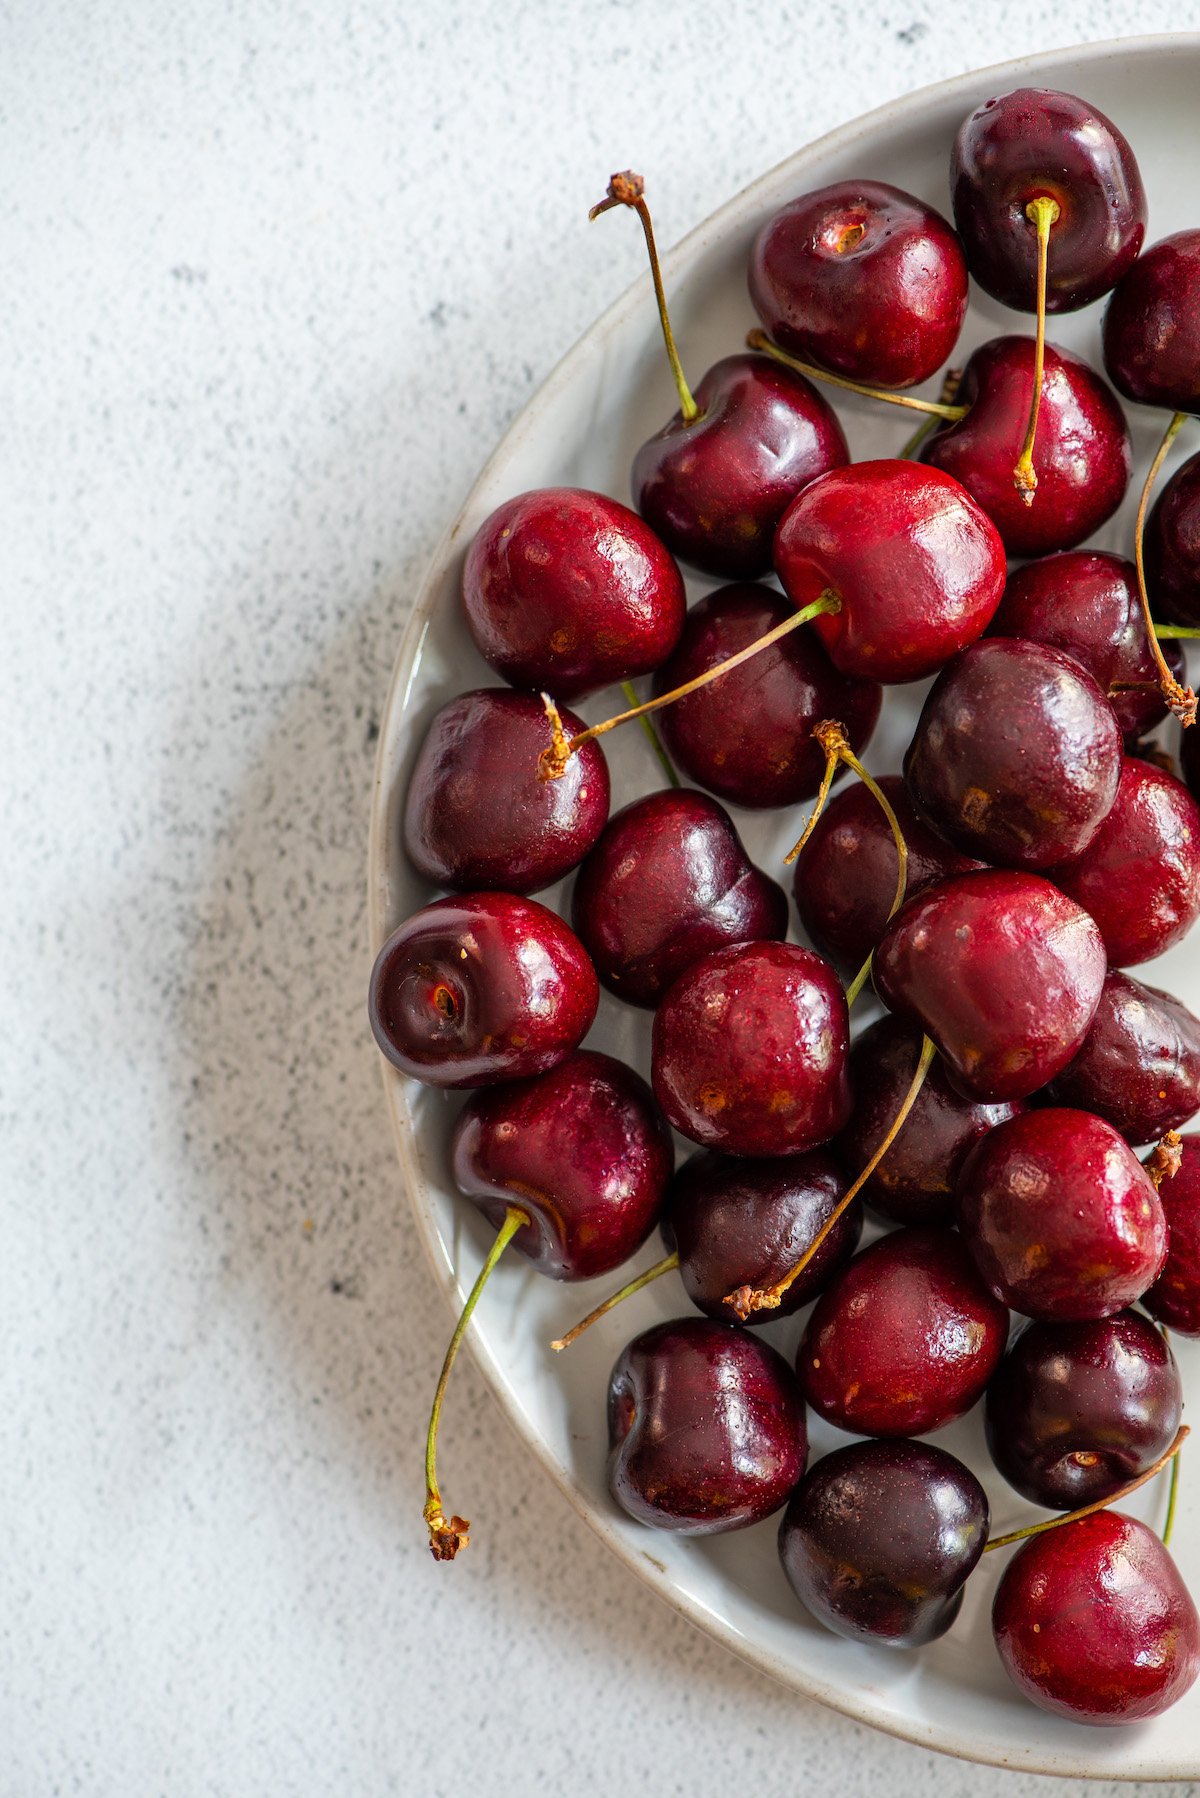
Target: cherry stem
<point>758,340</point>
<point>448,1534</point>
<point>1172,630</point>
<point>615,1298</point>
<point>656,742</point>
<point>833,740</point>
<point>1042,214</point>
<point>1165,1159</point>
<point>552,762</point>
<point>950,386</point>
<point>860,980</point>
<point>628,189</point>
<point>749,1298</point>
<point>1099,1504</point>
<point>1181,700</point>
<point>1172,1498</point>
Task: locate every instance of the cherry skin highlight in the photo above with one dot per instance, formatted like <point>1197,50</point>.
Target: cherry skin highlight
<point>748,735</point>
<point>904,1340</point>
<point>1139,1065</point>
<point>486,987</point>
<point>1151,331</point>
<point>862,279</point>
<point>878,1540</point>
<point>705,1427</point>
<point>1175,1297</point>
<point>568,591</point>
<point>1172,550</point>
<point>667,882</point>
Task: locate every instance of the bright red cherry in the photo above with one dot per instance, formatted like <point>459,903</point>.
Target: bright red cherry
<point>1151,329</point>
<point>1175,1296</point>
<point>1139,1065</point>
<point>863,279</point>
<point>1172,551</point>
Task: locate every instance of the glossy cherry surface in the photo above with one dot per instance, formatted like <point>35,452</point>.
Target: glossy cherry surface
<point>845,878</point>
<point>705,1427</point>
<point>1139,877</point>
<point>750,1050</point>
<point>878,1540</point>
<point>1175,1296</point>
<point>1172,550</point>
<point>905,1338</point>
<point>918,567</point>
<point>1002,970</point>
<point>1016,755</point>
<point>863,279</point>
<point>1082,456</point>
<point>1060,1217</point>
<point>748,735</point>
<point>567,591</point>
<point>1151,328</point>
<point>1085,602</point>
<point>1076,1410</point>
<point>585,1153</point>
<point>740,1222</point>
<point>715,487</point>
<point>481,988</point>
<point>477,815</point>
<point>1139,1066</point>
<point>668,882</point>
<point>914,1183</point>
<point>1034,143</point>
<point>1093,1622</point>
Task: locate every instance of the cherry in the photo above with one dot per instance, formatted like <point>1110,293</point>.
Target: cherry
<point>748,737</point>
<point>878,1540</point>
<point>1086,603</point>
<point>478,816</point>
<point>1060,1216</point>
<point>1151,333</point>
<point>917,568</point>
<point>750,1048</point>
<point>1016,755</point>
<point>1084,458</point>
<point>1175,1296</point>
<point>1094,1622</point>
<point>568,590</point>
<point>1172,549</point>
<point>863,278</point>
<point>1002,970</point>
<point>914,1183</point>
<point>705,1427</point>
<point>1139,1066</point>
<point>1139,877</point>
<point>1075,1410</point>
<point>845,878</point>
<point>487,987</point>
<point>667,882</point>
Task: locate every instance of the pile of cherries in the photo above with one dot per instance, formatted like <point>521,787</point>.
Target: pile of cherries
<point>1036,848</point>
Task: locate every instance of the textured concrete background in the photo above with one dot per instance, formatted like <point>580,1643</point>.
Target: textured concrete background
<point>277,276</point>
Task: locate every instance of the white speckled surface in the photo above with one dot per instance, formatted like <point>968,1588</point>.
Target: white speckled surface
<point>267,306</point>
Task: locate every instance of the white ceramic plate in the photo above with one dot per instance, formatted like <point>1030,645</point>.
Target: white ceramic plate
<point>582,428</point>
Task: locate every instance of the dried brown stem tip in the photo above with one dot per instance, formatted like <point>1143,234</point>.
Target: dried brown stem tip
<point>625,189</point>
<point>446,1535</point>
<point>552,763</point>
<point>1165,1159</point>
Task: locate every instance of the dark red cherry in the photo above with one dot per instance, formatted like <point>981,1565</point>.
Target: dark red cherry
<point>705,1428</point>
<point>1139,877</point>
<point>1077,1410</point>
<point>715,487</point>
<point>1093,1622</point>
<point>567,591</point>
<point>904,1340</point>
<point>486,987</point>
<point>735,1222</point>
<point>914,1183</point>
<point>1031,144</point>
<point>668,882</point>
<point>748,735</point>
<point>1175,1296</point>
<point>1139,1066</point>
<point>1002,970</point>
<point>582,1150</point>
<point>1016,755</point>
<point>1082,454</point>
<point>846,873</point>
<point>917,566</point>
<point>1060,1216</point>
<point>878,1540</point>
<point>750,1049</point>
<point>862,279</point>
<point>1151,328</point>
<point>1086,603</point>
<point>1172,551</point>
<point>477,815</point>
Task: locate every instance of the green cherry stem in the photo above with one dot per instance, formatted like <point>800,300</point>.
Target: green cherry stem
<point>1099,1504</point>
<point>615,1298</point>
<point>1181,700</point>
<point>758,340</point>
<point>628,189</point>
<point>1172,1499</point>
<point>656,742</point>
<point>1042,214</point>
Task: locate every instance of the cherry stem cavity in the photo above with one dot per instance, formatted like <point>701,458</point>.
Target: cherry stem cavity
<point>1100,1504</point>
<point>1042,214</point>
<point>628,189</point>
<point>627,1291</point>
<point>655,741</point>
<point>1181,700</point>
<point>758,340</point>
